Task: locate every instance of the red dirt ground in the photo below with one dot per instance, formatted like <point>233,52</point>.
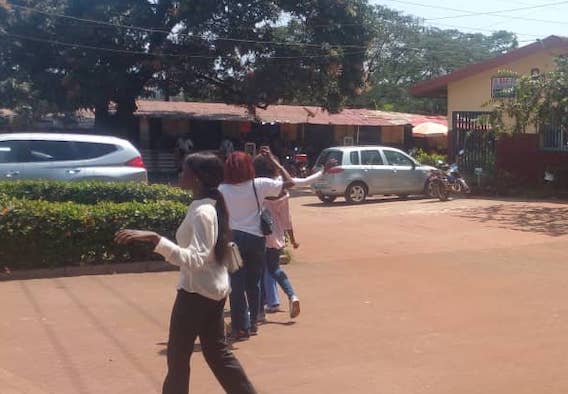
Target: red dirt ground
<point>398,297</point>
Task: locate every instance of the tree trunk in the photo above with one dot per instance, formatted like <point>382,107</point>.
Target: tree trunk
<point>125,119</point>
<point>102,116</point>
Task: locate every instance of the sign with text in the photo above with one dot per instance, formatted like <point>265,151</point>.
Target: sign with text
<point>503,87</point>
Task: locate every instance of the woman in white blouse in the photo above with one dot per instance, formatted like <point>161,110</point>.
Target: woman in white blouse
<point>202,245</point>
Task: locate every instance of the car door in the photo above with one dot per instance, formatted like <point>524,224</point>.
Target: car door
<point>404,176</point>
<point>377,175</point>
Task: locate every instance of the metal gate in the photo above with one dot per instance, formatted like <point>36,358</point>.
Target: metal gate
<point>476,139</point>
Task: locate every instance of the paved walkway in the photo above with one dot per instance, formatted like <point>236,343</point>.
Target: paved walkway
<point>398,297</point>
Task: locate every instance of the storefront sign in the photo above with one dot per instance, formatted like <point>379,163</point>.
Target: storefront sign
<point>502,87</point>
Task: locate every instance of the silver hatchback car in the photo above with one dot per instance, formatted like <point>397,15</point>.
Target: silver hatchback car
<point>69,157</point>
<point>369,170</point>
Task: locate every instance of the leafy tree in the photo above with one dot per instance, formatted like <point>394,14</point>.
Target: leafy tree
<point>194,46</point>
<point>405,52</point>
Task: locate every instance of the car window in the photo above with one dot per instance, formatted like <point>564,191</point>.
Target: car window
<point>41,151</point>
<point>371,158</point>
<point>354,158</point>
<point>7,152</point>
<point>18,152</point>
<point>91,150</point>
<point>397,159</point>
<point>328,155</point>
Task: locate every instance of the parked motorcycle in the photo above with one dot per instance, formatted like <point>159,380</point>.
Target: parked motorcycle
<point>444,180</point>
<point>297,164</point>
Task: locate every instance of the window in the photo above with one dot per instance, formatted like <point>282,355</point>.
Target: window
<point>371,158</point>
<point>42,151</point>
<point>92,150</point>
<point>330,155</point>
<point>7,153</point>
<point>397,159</point>
<point>354,157</point>
<point>555,138</point>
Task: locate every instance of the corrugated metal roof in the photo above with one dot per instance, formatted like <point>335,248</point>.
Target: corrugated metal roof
<point>291,114</point>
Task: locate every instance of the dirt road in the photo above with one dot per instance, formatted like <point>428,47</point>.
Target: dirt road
<point>398,297</point>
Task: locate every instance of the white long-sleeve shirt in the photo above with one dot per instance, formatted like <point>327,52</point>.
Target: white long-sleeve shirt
<point>194,253</point>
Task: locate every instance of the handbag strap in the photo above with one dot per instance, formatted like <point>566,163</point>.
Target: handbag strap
<point>256,197</point>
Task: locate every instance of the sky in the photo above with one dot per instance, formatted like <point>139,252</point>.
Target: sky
<point>538,19</point>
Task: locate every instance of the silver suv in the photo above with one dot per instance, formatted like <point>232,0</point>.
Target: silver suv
<point>69,157</point>
<point>369,170</point>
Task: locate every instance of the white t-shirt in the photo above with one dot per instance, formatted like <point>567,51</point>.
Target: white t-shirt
<point>241,203</point>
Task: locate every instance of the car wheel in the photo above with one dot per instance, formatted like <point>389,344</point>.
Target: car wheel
<point>356,193</point>
<point>327,199</point>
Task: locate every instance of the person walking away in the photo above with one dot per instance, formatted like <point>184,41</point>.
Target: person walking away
<point>279,208</point>
<point>183,147</point>
<point>243,194</point>
<point>201,253</point>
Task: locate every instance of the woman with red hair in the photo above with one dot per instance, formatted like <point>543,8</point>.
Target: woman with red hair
<point>244,196</point>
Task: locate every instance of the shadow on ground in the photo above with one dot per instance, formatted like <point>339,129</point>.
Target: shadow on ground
<point>552,221</point>
<point>370,201</point>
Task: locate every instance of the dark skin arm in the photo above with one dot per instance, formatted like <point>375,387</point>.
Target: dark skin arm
<point>292,238</point>
<point>126,237</point>
<point>288,182</point>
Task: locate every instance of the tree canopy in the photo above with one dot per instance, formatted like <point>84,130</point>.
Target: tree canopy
<point>87,54</point>
<point>63,55</point>
<point>404,52</point>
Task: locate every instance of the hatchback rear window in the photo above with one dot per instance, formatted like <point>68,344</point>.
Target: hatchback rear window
<point>328,155</point>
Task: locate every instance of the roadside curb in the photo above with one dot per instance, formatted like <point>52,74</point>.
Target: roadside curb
<point>103,269</point>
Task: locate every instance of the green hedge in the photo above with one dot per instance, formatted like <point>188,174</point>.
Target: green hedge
<point>40,234</point>
<point>92,192</point>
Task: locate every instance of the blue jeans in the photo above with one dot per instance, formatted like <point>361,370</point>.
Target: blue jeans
<point>270,289</point>
<point>273,267</point>
<point>245,283</point>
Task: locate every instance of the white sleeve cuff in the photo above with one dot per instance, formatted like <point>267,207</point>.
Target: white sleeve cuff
<point>307,181</point>
<point>165,248</point>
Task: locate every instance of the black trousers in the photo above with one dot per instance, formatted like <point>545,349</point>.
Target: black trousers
<point>194,315</point>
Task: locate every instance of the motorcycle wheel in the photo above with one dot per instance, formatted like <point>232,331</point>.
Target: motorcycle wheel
<point>457,187</point>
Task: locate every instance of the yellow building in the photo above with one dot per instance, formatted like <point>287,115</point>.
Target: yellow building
<point>469,92</point>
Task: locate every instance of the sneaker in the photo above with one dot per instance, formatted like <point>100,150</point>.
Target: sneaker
<point>254,329</point>
<point>294,307</point>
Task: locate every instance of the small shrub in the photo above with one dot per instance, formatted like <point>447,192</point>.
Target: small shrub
<point>430,159</point>
<point>40,234</point>
<point>92,192</point>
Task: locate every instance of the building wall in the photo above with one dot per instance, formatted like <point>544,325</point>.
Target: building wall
<point>290,132</point>
<point>392,135</point>
<point>470,94</point>
<point>175,127</point>
<point>520,156</point>
<point>340,132</point>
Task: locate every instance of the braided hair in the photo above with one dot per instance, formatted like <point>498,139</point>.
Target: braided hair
<point>209,169</point>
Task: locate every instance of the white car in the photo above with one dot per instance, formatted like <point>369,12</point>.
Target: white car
<point>364,171</point>
<point>69,157</point>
